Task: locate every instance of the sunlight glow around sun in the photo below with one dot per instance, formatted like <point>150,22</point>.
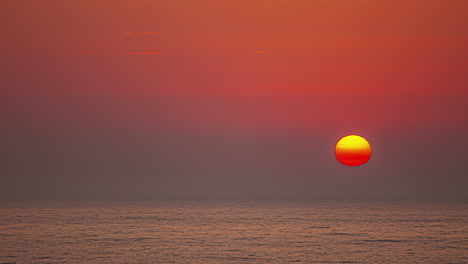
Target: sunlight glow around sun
<point>353,150</point>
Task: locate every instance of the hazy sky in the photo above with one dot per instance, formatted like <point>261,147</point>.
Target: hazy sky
<point>238,98</point>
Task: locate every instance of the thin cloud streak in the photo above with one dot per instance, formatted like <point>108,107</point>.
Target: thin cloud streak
<point>144,32</point>
<point>145,52</point>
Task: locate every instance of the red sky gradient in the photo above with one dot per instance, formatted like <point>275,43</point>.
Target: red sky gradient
<point>394,72</point>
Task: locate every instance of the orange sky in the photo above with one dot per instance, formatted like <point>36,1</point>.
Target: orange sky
<point>324,68</point>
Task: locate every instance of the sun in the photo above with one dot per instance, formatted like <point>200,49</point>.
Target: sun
<point>353,150</point>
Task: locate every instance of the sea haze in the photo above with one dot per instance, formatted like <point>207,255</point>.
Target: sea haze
<point>233,231</point>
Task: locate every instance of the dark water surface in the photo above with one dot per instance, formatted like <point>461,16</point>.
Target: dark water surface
<point>225,231</point>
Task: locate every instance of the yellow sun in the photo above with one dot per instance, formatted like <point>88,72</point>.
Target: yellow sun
<point>353,150</point>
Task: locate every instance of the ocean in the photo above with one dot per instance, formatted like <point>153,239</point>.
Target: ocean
<point>233,231</point>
